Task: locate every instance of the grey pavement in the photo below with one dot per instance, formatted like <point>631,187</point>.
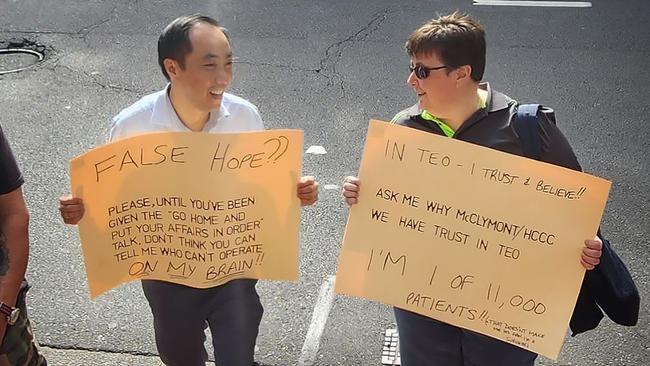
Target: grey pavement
<point>70,357</point>
<point>326,67</point>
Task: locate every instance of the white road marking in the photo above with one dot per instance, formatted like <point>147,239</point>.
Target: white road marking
<point>318,320</point>
<point>553,4</point>
<point>316,150</point>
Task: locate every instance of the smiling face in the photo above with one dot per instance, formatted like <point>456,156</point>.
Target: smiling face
<point>438,92</point>
<point>206,71</point>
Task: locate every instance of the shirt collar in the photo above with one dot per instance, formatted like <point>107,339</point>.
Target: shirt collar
<point>495,101</point>
<point>223,108</point>
<point>164,110</point>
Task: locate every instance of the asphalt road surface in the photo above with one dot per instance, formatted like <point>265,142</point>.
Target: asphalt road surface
<point>326,67</point>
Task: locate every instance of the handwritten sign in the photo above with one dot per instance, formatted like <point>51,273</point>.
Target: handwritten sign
<point>471,236</point>
<point>191,208</point>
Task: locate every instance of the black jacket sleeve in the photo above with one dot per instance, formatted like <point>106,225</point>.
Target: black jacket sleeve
<point>608,287</point>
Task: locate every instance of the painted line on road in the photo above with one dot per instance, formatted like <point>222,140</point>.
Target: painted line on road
<point>549,4</point>
<point>316,150</point>
<point>318,320</point>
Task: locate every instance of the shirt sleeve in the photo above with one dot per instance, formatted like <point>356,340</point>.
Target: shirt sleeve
<point>10,176</point>
<point>257,119</point>
<point>115,132</point>
<point>399,116</point>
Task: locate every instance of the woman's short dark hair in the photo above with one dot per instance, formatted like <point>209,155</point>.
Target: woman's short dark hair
<point>456,38</point>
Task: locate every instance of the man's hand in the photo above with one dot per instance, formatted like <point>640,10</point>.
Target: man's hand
<point>591,253</point>
<point>71,209</point>
<point>350,190</point>
<point>307,190</point>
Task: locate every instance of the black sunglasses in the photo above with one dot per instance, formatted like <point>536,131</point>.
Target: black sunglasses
<point>422,72</point>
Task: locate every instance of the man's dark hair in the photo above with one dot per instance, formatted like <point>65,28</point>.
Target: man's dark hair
<point>456,38</point>
<point>174,41</point>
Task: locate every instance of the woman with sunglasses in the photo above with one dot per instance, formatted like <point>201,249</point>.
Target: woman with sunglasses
<point>447,60</point>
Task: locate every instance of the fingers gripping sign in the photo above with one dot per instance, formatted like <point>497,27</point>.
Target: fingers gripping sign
<point>71,209</point>
<point>350,190</point>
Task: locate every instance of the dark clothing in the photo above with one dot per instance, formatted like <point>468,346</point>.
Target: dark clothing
<point>10,177</point>
<point>428,342</point>
<point>490,127</point>
<point>233,312</point>
<point>18,346</point>
<point>608,288</point>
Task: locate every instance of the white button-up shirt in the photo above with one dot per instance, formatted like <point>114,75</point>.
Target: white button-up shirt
<point>154,113</point>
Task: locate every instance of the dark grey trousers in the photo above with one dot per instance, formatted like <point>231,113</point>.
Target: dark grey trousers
<point>427,342</point>
<point>232,311</point>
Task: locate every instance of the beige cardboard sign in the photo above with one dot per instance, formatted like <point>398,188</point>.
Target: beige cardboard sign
<point>471,236</point>
<point>192,208</point>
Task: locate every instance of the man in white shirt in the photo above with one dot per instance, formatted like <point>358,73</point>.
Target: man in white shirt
<point>195,56</point>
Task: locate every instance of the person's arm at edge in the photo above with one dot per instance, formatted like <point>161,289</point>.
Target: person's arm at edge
<point>14,225</point>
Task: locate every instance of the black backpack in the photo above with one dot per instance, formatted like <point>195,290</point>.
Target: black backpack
<point>526,126</point>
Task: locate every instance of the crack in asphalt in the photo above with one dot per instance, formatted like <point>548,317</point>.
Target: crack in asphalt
<point>334,52</point>
<point>90,349</point>
<point>38,32</point>
<point>327,64</point>
<point>281,66</point>
<point>93,79</point>
<point>82,33</point>
<point>85,31</point>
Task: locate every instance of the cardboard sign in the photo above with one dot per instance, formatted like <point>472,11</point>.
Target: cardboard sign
<point>471,236</point>
<point>192,208</point>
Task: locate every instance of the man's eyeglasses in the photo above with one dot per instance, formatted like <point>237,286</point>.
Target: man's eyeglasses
<point>422,72</point>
